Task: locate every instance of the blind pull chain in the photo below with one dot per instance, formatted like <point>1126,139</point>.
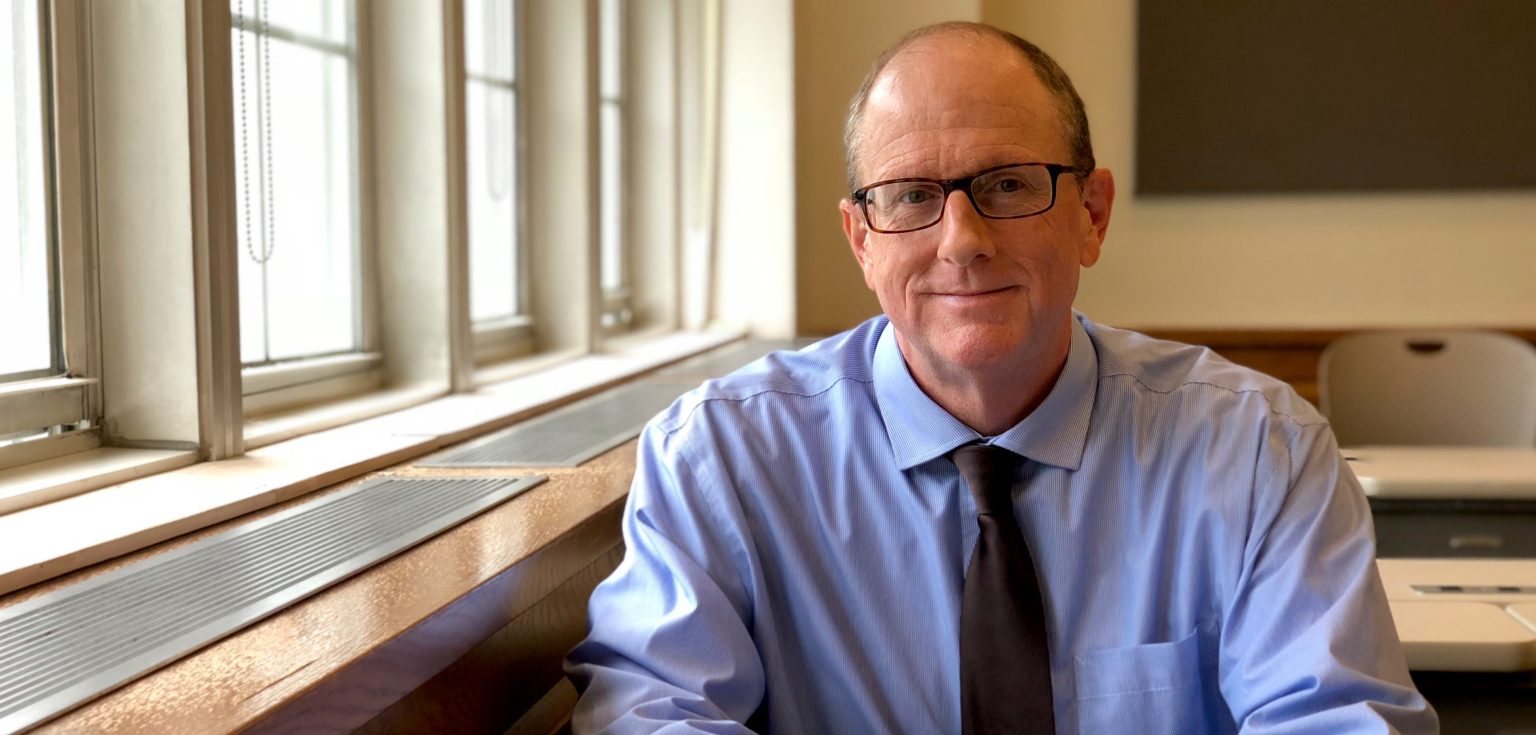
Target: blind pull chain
<point>269,173</point>
<point>263,119</point>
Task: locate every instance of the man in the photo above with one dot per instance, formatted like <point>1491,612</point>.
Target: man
<point>981,512</point>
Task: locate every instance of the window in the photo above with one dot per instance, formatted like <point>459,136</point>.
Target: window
<point>44,391</point>
<point>491,120</point>
<point>612,203</point>
<point>296,153</point>
<point>493,128</point>
<point>28,328</point>
<point>212,213</point>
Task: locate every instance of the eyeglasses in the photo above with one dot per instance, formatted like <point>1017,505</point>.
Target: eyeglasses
<point>1010,191</point>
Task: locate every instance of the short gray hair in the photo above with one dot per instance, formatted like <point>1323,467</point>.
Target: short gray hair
<point>1074,118</point>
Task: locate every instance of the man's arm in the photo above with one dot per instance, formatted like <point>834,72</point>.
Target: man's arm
<point>1308,644</point>
<point>669,646</point>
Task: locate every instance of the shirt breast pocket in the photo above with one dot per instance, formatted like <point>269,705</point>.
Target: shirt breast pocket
<point>1151,688</point>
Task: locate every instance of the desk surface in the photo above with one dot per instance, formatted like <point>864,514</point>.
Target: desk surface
<point>1445,472</point>
<point>1463,614</point>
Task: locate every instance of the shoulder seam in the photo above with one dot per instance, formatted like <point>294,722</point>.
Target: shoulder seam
<point>1293,419</point>
<point>683,420</point>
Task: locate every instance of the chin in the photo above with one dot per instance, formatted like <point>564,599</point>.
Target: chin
<point>981,347</point>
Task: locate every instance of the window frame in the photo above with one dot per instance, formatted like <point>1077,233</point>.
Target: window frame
<point>279,385</point>
<point>67,396</point>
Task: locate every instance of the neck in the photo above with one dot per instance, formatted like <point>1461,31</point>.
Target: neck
<point>993,398</point>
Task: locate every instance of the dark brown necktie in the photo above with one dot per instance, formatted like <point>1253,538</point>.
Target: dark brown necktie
<point>1005,665</point>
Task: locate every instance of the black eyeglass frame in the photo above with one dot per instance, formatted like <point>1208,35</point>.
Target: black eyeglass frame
<point>860,195</point>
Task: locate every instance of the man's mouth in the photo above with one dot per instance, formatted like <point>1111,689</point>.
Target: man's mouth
<point>974,293</point>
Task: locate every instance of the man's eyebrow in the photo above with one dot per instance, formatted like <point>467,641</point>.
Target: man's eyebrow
<point>930,173</point>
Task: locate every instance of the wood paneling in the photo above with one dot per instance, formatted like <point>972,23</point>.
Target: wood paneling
<point>491,687</point>
<point>1291,355</point>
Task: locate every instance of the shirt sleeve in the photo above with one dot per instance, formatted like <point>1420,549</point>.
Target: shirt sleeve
<point>1308,644</point>
<point>670,647</point>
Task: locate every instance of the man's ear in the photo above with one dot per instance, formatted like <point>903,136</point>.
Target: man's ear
<point>1098,192</point>
<point>858,236</point>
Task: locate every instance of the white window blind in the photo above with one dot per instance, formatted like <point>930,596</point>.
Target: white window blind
<point>492,136</point>
<point>296,148</point>
<point>28,333</point>
<point>612,222</point>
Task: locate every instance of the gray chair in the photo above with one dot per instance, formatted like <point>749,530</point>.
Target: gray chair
<point>1452,388</point>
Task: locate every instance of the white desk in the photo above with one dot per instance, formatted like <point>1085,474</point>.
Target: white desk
<point>1450,502</point>
<point>1464,614</point>
<point>1445,473</point>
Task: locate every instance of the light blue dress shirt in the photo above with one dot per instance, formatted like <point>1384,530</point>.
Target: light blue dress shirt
<point>797,541</point>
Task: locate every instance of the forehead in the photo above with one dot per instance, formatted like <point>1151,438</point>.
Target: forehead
<point>951,105</point>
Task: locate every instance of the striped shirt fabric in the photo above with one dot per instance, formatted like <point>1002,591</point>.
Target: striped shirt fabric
<point>797,543</point>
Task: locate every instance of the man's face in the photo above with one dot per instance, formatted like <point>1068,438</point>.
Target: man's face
<point>970,293</point>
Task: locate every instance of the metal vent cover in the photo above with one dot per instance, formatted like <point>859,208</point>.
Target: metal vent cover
<point>728,359</point>
<point>571,435</point>
<point>63,648</point>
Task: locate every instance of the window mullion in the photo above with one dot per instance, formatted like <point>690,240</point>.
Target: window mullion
<point>523,256</point>
<point>595,193</point>
<point>461,338</point>
<point>214,236</point>
<point>73,194</point>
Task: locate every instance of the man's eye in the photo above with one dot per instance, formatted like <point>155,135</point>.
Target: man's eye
<point>914,196</point>
<point>1009,186</point>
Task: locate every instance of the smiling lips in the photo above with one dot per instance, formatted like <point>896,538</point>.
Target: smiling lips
<point>972,294</point>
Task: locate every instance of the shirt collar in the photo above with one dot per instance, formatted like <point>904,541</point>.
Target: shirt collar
<point>920,430</point>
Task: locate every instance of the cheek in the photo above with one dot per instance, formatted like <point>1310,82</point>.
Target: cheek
<point>1050,252</point>
<point>890,269</point>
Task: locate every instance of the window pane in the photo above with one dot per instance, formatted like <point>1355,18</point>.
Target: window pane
<point>612,183</point>
<point>295,152</point>
<point>491,123</point>
<point>490,110</point>
<point>319,19</point>
<point>25,297</point>
<point>610,39</point>
<point>489,38</point>
<point>610,24</point>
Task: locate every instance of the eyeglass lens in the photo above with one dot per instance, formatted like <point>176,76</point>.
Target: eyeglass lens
<point>912,205</point>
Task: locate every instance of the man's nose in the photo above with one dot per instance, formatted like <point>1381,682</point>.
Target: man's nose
<point>963,235</point>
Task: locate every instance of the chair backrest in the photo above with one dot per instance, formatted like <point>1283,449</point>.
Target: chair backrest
<point>1446,388</point>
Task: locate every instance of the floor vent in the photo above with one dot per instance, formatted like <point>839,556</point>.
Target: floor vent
<point>63,648</point>
<point>571,435</point>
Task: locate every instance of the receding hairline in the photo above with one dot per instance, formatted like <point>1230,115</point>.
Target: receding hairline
<point>1069,106</point>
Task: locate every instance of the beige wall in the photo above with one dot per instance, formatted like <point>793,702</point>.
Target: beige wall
<point>835,42</point>
<point>561,196</point>
<point>1358,260</point>
<point>754,269</point>
<point>143,219</point>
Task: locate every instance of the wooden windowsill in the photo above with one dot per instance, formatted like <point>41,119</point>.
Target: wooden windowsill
<point>75,532</point>
<point>54,479</point>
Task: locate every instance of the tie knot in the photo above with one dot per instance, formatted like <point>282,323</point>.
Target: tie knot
<point>989,472</point>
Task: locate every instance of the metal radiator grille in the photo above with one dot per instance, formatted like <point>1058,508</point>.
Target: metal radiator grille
<point>571,435</point>
<point>728,359</point>
<point>66,647</point>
